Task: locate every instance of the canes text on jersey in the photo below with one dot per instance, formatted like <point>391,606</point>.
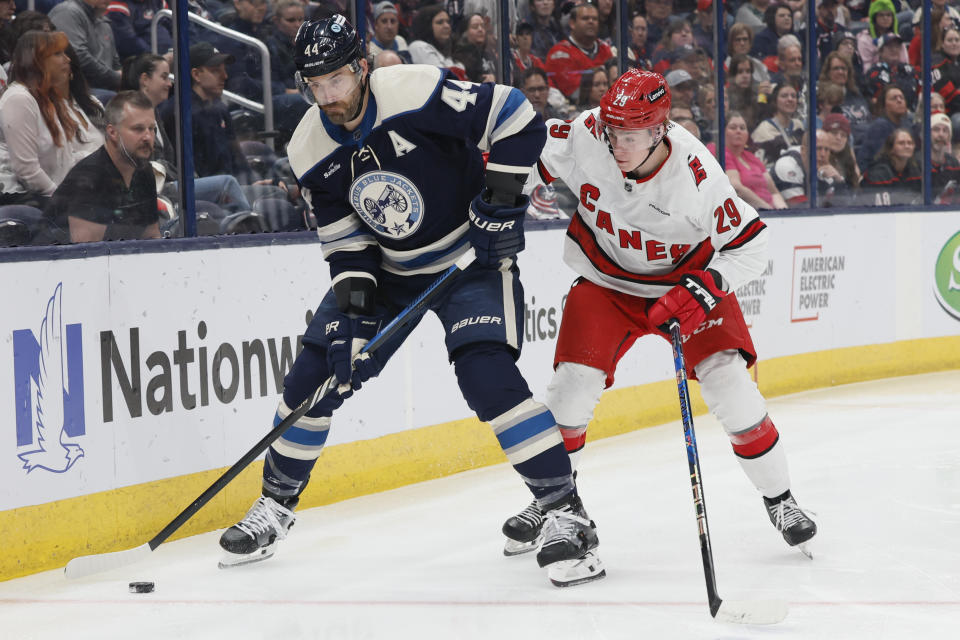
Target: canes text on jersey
<point>630,238</point>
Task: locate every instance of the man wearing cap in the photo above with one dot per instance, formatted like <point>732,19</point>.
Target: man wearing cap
<point>580,52</point>
<point>838,128</point>
<point>891,70</point>
<point>945,168</point>
<point>682,86</point>
<point>215,147</point>
<point>386,28</point>
<point>693,60</point>
<point>523,57</point>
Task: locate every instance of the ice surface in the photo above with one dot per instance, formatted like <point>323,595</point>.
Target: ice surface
<point>879,463</point>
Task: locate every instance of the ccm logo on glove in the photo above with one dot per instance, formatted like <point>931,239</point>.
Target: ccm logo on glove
<point>696,295</point>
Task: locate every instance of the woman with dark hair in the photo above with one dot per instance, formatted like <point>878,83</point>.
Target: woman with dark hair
<point>836,130</point>
<point>839,70</point>
<point>593,85</point>
<point>43,131</point>
<point>607,10</point>
<point>471,50</point>
<point>88,106</point>
<point>782,129</point>
<point>945,70</point>
<point>677,34</point>
<point>740,41</point>
<point>940,20</point>
<point>894,176</point>
<point>778,19</point>
<point>742,93</point>
<point>433,42</point>
<point>31,21</point>
<point>892,113</point>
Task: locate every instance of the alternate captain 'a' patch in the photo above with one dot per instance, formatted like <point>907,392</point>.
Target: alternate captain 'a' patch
<point>388,202</point>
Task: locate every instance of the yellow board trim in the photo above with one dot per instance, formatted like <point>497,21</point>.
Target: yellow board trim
<point>46,536</point>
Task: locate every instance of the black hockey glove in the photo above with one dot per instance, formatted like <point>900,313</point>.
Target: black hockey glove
<point>496,230</point>
<point>348,333</point>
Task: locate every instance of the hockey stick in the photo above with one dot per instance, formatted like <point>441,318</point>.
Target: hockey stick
<point>739,611</point>
<point>87,565</point>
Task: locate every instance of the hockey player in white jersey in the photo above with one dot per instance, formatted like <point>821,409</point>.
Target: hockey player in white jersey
<point>659,233</point>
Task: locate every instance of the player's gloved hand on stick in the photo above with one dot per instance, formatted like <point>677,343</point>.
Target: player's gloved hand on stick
<point>496,230</point>
<point>690,301</point>
<point>348,333</point>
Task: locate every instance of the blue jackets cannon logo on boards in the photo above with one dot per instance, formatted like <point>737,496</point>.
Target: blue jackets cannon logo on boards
<point>48,380</point>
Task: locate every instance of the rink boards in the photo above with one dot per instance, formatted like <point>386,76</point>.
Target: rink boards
<point>172,364</point>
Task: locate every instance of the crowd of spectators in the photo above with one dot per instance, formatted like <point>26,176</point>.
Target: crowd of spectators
<point>63,64</point>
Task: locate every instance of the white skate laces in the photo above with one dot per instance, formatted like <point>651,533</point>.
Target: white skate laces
<point>266,513</point>
<point>786,513</point>
<point>561,524</point>
<point>531,515</point>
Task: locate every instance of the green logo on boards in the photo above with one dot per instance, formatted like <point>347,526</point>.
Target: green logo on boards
<point>946,276</point>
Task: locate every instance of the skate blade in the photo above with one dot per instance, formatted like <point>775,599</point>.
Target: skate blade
<point>569,573</point>
<point>231,560</point>
<point>804,548</point>
<point>516,548</point>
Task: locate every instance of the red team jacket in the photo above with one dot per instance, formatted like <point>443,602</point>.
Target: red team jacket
<point>566,62</point>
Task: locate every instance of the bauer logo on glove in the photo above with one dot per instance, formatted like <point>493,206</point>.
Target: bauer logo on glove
<point>490,225</point>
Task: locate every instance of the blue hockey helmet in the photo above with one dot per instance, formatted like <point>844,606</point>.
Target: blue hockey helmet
<point>323,46</point>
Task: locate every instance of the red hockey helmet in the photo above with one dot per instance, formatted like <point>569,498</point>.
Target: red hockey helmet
<point>632,114</point>
<point>637,100</point>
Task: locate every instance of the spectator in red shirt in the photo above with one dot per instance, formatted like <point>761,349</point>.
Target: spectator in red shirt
<point>580,52</point>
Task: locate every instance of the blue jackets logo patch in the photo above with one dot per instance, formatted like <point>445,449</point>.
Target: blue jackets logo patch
<point>389,203</point>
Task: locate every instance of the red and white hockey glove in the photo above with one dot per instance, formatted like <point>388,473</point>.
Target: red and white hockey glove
<point>690,301</point>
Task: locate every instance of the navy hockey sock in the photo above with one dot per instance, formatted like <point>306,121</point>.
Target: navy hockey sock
<point>285,478</point>
<point>527,431</point>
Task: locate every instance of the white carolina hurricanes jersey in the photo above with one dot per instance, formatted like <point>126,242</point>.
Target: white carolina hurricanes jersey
<point>640,236</point>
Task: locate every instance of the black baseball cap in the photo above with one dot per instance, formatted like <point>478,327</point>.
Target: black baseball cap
<point>204,54</point>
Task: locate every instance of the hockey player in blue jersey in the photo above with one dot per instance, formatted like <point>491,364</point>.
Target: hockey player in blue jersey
<point>390,163</point>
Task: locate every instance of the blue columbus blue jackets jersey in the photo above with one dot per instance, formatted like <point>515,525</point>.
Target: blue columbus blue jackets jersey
<point>394,194</point>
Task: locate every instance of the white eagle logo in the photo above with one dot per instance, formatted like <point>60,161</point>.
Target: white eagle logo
<point>54,453</point>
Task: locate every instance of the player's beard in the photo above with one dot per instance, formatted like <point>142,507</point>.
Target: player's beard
<point>342,112</point>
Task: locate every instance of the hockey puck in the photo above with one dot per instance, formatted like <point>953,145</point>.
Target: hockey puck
<point>141,587</point>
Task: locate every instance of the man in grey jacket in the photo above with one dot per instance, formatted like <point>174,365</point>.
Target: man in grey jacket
<point>91,35</point>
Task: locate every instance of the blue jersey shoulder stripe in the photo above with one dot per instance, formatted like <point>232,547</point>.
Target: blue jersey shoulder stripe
<point>515,100</point>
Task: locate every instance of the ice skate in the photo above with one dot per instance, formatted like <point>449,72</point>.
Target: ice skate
<point>795,525</point>
<point>255,537</point>
<point>523,531</point>
<point>569,550</point>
